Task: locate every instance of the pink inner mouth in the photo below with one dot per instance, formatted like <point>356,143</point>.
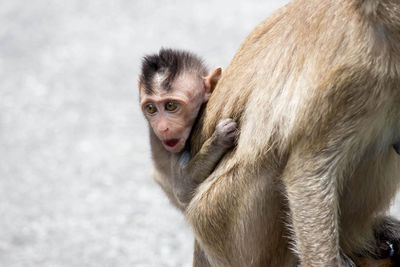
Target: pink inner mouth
<point>171,142</point>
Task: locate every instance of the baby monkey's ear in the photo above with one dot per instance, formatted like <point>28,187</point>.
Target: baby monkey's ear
<point>211,80</point>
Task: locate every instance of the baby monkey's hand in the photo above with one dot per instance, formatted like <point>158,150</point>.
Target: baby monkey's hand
<point>226,132</point>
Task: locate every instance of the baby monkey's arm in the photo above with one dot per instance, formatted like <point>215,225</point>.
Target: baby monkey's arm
<point>189,173</point>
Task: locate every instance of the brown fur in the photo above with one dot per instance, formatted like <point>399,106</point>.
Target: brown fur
<point>315,89</point>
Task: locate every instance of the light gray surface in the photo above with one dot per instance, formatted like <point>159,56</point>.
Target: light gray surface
<point>75,186</point>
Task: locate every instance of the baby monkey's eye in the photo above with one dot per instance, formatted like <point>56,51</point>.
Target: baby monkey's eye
<point>171,106</point>
<point>151,108</point>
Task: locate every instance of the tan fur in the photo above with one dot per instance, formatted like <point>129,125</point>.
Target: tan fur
<point>316,91</point>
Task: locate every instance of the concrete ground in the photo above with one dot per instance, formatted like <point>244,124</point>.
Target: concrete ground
<point>75,185</point>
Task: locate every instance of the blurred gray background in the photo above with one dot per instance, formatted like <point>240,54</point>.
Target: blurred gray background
<point>75,185</point>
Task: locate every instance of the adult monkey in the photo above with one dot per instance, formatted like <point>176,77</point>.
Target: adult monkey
<point>315,90</point>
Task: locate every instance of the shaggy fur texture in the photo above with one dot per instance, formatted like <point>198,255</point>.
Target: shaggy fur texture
<point>316,91</point>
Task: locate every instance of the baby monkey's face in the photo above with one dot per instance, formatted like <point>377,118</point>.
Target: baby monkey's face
<point>172,113</point>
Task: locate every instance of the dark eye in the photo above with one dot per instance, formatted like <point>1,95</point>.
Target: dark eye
<point>171,106</point>
<point>151,108</point>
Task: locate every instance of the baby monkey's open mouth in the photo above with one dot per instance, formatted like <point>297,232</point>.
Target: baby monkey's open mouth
<point>171,142</point>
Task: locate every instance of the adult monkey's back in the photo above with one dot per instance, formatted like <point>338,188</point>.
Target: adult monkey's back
<point>316,92</point>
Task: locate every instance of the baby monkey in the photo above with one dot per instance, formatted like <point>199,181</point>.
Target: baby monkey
<point>174,85</point>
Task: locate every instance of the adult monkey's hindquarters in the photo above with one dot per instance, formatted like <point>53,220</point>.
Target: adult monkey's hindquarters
<point>316,92</point>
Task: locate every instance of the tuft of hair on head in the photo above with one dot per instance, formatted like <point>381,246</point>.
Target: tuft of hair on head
<point>169,63</point>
